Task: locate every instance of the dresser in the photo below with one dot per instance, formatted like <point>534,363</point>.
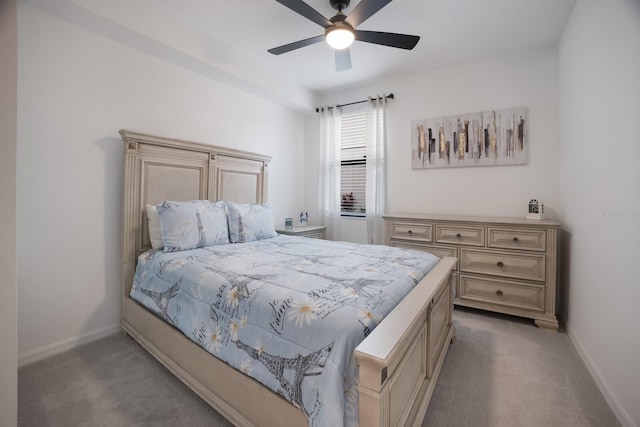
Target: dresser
<point>314,231</point>
<point>505,265</point>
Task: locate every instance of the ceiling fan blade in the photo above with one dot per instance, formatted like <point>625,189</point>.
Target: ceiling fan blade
<point>343,59</point>
<point>364,10</point>
<point>296,45</point>
<point>301,8</point>
<point>402,41</point>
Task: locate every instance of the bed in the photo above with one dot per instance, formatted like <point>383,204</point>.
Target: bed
<point>398,362</point>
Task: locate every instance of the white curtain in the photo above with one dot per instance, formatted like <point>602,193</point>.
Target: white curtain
<point>330,136</point>
<point>376,194</point>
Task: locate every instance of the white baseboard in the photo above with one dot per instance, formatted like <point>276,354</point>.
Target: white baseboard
<point>622,416</point>
<point>64,345</point>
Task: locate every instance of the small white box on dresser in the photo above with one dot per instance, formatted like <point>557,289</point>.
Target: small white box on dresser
<point>506,265</point>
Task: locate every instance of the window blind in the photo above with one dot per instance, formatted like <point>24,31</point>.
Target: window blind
<point>353,152</point>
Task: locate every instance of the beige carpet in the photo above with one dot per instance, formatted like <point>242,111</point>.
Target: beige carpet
<point>501,371</point>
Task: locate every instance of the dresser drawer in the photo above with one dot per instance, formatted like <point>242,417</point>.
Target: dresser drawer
<point>420,232</point>
<point>439,251</point>
<point>533,240</point>
<point>506,264</point>
<point>501,292</point>
<point>314,234</point>
<point>459,235</point>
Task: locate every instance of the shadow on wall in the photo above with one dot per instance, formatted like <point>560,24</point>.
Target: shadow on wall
<point>564,267</point>
<point>112,166</point>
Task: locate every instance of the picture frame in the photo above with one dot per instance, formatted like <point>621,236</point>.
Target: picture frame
<point>488,138</point>
<point>535,209</point>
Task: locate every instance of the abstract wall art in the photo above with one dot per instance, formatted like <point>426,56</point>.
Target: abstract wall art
<point>489,138</point>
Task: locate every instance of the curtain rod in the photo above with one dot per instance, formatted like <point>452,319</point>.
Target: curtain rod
<point>390,96</point>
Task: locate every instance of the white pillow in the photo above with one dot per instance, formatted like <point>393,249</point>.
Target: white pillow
<point>155,236</point>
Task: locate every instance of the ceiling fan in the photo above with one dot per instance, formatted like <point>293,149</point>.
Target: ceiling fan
<point>340,31</point>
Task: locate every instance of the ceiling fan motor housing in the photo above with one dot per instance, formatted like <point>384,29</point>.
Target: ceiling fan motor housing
<point>339,5</point>
<point>339,19</point>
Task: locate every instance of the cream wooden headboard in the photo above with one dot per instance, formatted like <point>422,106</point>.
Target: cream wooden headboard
<point>158,169</point>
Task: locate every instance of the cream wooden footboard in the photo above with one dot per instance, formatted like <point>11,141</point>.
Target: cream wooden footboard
<point>399,361</point>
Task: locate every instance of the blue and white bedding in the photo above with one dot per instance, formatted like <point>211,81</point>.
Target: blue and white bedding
<point>288,311</point>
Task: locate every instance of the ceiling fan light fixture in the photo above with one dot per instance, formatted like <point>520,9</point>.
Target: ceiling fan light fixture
<point>339,37</point>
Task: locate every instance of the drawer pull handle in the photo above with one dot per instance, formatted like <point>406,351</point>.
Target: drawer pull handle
<point>459,236</point>
<point>500,264</point>
<point>409,232</point>
<point>515,239</point>
<point>499,293</point>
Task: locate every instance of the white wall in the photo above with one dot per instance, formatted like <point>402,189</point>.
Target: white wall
<point>76,89</point>
<point>600,116</point>
<point>525,79</point>
<point>8,316</point>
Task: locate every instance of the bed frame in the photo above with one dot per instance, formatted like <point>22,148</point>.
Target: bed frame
<point>399,361</point>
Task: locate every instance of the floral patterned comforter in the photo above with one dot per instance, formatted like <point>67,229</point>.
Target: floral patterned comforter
<point>288,311</point>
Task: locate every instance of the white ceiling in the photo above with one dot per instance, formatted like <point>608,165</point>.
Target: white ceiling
<point>229,39</point>
<point>450,31</point>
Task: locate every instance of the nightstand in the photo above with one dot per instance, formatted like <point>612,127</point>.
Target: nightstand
<point>313,231</point>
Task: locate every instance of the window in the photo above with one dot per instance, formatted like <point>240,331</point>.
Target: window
<point>353,167</point>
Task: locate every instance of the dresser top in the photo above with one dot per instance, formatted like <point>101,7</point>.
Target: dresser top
<point>473,219</point>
